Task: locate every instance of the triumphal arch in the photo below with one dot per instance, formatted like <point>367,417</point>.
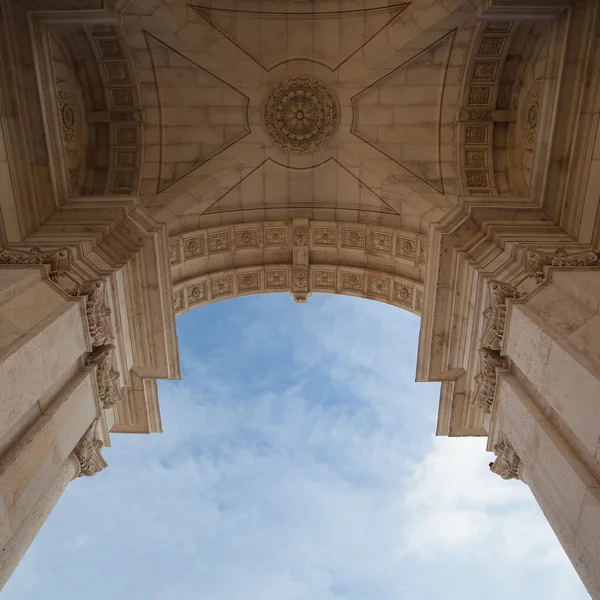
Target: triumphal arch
<point>442,156</point>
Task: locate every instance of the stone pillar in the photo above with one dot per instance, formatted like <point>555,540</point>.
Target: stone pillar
<point>50,394</point>
<point>548,408</point>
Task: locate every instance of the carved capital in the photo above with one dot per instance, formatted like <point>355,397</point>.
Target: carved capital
<point>495,314</point>
<point>536,260</point>
<point>485,392</point>
<point>87,452</point>
<point>103,358</point>
<point>59,260</point>
<point>507,464</point>
<point>96,310</point>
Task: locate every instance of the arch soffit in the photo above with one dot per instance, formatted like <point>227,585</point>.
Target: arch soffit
<point>298,257</point>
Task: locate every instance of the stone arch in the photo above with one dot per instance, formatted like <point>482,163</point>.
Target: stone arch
<point>299,257</point>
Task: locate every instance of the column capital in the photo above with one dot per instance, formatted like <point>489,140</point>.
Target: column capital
<point>87,452</point>
<point>507,464</point>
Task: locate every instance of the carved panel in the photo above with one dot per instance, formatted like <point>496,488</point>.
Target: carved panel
<point>300,235</point>
<point>491,46</point>
<point>476,158</point>
<point>353,238</point>
<point>300,277</point>
<point>175,252</point>
<point>246,238</point>
<point>324,279</point>
<point>276,236</point>
<point>423,252</point>
<point>378,286</point>
<point>403,294</point>
<point>193,247</point>
<point>178,300</point>
<point>219,241</point>
<point>381,242</point>
<point>276,278</point>
<point>419,301</point>
<point>353,282</point>
<point>197,293</point>
<point>477,178</point>
<point>248,282</point>
<point>406,247</point>
<point>480,95</point>
<point>221,286</point>
<point>325,236</point>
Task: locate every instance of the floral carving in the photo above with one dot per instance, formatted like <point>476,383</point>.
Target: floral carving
<point>477,179</point>
<point>324,279</point>
<point>491,46</point>
<point>325,236</point>
<point>193,247</point>
<point>103,358</point>
<point>403,294</point>
<point>476,158</point>
<point>495,314</point>
<point>276,279</point>
<point>480,95</point>
<point>59,260</point>
<point>300,277</point>
<point>246,238</point>
<point>300,235</point>
<point>381,242</point>
<point>537,260</point>
<point>475,134</point>
<point>485,391</point>
<point>300,297</point>
<point>87,452</point>
<point>275,236</point>
<point>178,300</point>
<point>174,253</point>
<point>220,286</point>
<point>485,70</point>
<point>529,116</point>
<point>353,282</point>
<point>379,286</point>
<point>96,310</point>
<point>70,115</point>
<point>248,281</point>
<point>353,238</point>
<point>197,293</point>
<point>406,247</point>
<point>507,464</point>
<point>218,242</point>
<point>479,115</point>
<point>300,114</point>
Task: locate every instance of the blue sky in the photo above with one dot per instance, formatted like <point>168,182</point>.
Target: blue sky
<point>298,462</point>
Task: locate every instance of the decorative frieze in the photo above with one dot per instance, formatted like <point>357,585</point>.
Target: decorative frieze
<point>275,236</point>
<point>221,286</point>
<point>353,238</point>
<point>378,286</point>
<point>103,359</point>
<point>59,260</point>
<point>87,452</point>
<point>248,282</point>
<point>219,241</point>
<point>324,279</point>
<point>536,260</point>
<point>246,238</point>
<point>276,279</point>
<point>353,282</point>
<point>96,310</point>
<point>507,464</point>
<point>381,242</point>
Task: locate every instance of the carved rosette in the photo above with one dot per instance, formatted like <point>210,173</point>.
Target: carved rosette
<point>59,260</point>
<point>300,114</point>
<point>103,359</point>
<point>495,314</point>
<point>536,260</point>
<point>87,452</point>
<point>485,392</point>
<point>507,464</point>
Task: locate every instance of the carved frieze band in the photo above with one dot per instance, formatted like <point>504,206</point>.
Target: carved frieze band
<point>478,101</point>
<point>88,453</point>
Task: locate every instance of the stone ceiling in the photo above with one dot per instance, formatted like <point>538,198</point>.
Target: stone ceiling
<point>363,130</point>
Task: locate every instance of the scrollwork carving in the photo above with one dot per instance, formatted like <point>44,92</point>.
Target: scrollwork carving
<point>59,260</point>
<point>507,464</point>
<point>103,358</point>
<point>485,392</point>
<point>87,452</point>
<point>495,314</point>
<point>536,260</point>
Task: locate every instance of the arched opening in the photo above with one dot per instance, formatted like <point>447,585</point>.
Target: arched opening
<point>298,461</point>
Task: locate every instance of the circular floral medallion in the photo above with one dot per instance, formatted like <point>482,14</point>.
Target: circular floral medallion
<point>529,118</point>
<point>70,116</point>
<point>301,114</point>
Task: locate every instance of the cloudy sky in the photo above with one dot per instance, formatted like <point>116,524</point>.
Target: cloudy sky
<point>298,462</point>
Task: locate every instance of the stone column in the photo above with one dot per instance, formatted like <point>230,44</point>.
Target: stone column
<point>51,390</point>
<point>84,460</point>
<point>548,409</point>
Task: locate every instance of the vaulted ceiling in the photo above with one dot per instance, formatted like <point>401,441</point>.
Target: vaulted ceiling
<point>208,71</point>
